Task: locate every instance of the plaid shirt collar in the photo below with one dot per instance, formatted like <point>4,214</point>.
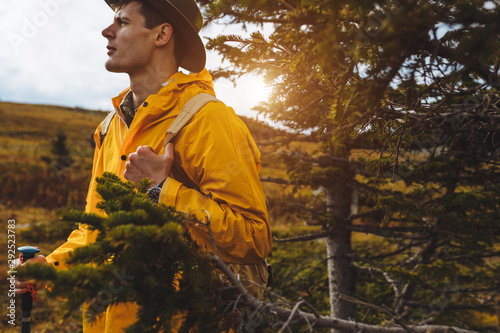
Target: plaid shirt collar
<point>127,107</point>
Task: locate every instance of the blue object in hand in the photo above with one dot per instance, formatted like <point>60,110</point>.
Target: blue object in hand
<point>27,253</point>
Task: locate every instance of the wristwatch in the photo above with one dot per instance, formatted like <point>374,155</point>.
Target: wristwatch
<point>154,192</point>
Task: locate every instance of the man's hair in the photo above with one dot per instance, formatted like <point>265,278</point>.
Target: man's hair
<point>153,19</point>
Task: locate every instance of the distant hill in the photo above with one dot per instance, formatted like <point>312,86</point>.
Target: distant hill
<point>33,122</point>
<point>27,128</point>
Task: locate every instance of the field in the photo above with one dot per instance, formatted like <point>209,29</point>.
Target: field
<point>34,188</point>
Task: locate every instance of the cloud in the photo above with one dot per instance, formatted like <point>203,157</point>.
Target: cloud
<point>52,52</point>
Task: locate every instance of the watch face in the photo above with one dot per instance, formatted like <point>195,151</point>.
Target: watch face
<point>154,194</point>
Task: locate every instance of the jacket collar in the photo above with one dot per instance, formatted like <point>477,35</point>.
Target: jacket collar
<point>174,85</point>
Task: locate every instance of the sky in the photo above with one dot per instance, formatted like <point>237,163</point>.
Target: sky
<point>52,52</point>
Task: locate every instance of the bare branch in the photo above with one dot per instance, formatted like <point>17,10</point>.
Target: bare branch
<point>378,309</point>
<point>295,308</point>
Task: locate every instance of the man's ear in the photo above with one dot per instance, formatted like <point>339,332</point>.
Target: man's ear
<point>164,34</point>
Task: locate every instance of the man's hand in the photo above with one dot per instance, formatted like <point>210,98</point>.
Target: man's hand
<point>144,163</point>
<point>22,285</point>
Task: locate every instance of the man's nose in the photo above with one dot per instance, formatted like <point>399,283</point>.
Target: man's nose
<point>108,32</point>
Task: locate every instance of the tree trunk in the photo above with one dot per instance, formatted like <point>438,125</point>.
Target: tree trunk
<point>339,253</point>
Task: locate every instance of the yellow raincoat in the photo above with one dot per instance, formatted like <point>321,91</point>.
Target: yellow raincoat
<point>215,150</point>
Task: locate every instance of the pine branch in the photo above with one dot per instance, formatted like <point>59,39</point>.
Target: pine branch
<point>275,180</point>
<point>358,228</point>
<point>488,304</point>
<point>398,251</point>
<point>468,61</point>
<point>442,291</point>
<point>392,232</point>
<point>469,257</point>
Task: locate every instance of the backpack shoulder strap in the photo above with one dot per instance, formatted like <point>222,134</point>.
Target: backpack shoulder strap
<point>187,112</point>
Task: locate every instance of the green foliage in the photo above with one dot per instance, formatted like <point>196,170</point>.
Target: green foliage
<point>143,254</point>
<point>307,277</point>
<point>48,231</point>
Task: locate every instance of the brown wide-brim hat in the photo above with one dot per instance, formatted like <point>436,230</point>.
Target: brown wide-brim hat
<point>185,16</point>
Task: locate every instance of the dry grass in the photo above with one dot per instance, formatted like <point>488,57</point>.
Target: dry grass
<point>31,191</point>
<point>45,315</point>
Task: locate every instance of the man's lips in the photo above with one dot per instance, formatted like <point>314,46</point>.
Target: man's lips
<point>111,50</point>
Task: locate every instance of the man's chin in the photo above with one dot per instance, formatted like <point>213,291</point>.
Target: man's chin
<point>114,68</point>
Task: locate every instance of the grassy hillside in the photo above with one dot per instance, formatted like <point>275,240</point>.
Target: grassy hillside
<point>32,190</point>
<point>26,130</point>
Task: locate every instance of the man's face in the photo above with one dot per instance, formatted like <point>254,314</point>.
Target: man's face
<point>130,43</point>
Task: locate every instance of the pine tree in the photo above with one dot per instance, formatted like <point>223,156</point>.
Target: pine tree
<point>402,99</point>
<point>60,149</point>
<point>143,254</point>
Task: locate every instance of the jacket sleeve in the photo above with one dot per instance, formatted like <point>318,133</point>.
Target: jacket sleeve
<point>58,257</point>
<point>218,153</point>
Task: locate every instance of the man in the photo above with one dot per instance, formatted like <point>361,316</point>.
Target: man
<point>212,164</point>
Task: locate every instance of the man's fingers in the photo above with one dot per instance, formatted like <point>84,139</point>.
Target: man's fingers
<point>145,150</point>
<point>21,286</point>
<point>128,173</point>
<point>20,291</point>
<point>169,153</point>
<point>17,262</point>
<point>145,163</point>
<point>20,283</point>
<point>169,149</point>
<point>131,158</point>
<point>140,153</point>
<point>38,259</point>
